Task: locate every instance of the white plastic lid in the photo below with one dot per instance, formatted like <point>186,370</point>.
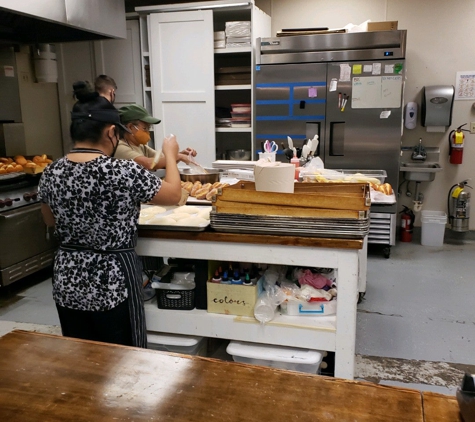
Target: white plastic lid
<point>274,353</point>
<point>173,339</point>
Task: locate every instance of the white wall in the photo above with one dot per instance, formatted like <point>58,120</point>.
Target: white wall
<point>439,43</point>
<point>39,109</point>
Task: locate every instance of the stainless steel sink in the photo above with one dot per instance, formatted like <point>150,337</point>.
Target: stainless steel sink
<point>420,171</point>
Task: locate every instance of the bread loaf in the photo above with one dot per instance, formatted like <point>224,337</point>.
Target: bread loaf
<point>196,186</point>
<point>187,186</point>
<point>386,188</point>
<point>211,193</point>
<point>203,191</point>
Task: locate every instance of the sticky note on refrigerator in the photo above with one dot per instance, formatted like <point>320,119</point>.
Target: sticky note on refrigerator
<point>376,69</point>
<point>333,84</point>
<point>345,72</point>
<point>388,68</point>
<point>356,69</point>
<point>312,92</point>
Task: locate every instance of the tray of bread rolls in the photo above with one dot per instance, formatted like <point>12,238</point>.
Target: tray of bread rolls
<point>176,218</point>
<point>202,192</point>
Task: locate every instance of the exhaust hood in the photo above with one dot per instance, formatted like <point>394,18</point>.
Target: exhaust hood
<point>54,21</point>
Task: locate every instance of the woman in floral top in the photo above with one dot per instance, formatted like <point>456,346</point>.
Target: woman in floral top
<point>93,201</point>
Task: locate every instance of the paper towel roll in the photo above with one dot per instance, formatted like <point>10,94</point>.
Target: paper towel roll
<point>274,177</point>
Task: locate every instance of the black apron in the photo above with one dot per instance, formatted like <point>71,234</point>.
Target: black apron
<point>132,267</point>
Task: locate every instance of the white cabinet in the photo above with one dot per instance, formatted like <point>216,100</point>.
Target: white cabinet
<point>178,52</point>
<point>182,78</point>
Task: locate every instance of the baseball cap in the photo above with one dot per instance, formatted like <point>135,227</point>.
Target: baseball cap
<point>100,115</point>
<point>132,112</point>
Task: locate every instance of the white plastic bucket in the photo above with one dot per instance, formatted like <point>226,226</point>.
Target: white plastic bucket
<point>433,228</point>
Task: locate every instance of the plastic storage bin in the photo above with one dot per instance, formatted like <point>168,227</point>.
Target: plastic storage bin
<point>433,228</point>
<point>300,360</point>
<point>294,307</point>
<point>187,345</point>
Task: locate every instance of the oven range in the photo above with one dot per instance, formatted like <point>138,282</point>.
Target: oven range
<point>27,245</point>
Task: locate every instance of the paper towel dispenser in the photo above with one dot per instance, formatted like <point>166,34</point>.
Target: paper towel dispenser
<point>437,104</point>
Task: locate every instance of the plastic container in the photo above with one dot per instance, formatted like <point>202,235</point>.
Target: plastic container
<point>294,307</point>
<point>187,345</point>
<point>433,228</point>
<point>268,156</point>
<point>342,175</point>
<point>300,360</point>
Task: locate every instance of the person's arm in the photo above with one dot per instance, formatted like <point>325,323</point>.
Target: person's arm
<point>170,191</point>
<point>48,216</point>
<point>183,156</point>
<point>146,162</point>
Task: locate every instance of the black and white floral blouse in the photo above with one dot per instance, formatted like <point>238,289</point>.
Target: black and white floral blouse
<point>96,205</point>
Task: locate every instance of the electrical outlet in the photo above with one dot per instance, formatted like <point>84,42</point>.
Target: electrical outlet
<point>472,127</point>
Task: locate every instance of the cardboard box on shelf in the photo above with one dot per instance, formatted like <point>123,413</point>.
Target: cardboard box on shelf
<point>382,26</point>
<point>232,299</point>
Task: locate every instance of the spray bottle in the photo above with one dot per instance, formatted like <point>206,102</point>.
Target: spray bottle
<point>296,162</point>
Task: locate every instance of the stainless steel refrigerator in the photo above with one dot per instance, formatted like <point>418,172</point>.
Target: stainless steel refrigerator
<point>345,87</point>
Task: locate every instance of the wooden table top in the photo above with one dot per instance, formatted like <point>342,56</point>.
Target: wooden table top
<point>440,408</point>
<point>212,236</point>
<point>52,378</point>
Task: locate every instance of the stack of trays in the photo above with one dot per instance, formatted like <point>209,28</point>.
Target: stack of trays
<point>233,164</point>
<point>237,75</point>
<point>339,210</point>
<point>238,34</point>
<point>240,115</point>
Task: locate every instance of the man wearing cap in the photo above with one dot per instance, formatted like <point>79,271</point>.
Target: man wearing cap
<point>133,145</point>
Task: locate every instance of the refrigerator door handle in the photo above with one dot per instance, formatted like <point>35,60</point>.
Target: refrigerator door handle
<point>337,138</point>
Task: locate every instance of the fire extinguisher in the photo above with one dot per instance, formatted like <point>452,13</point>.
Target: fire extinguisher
<point>456,139</point>
<point>407,224</point>
<point>458,206</point>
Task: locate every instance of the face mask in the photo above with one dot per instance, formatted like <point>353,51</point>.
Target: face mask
<point>141,136</point>
<point>114,147</point>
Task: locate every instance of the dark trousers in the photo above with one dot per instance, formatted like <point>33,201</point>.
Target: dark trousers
<point>111,326</point>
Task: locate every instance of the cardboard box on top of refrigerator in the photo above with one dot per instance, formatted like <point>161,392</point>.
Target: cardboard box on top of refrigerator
<point>382,26</point>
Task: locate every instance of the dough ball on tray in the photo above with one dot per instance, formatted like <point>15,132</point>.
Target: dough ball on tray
<point>177,216</point>
<point>189,209</point>
<point>204,213</point>
<point>152,210</point>
<point>161,221</point>
<point>192,221</point>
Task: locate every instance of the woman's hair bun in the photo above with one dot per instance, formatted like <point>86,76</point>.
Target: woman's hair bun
<point>84,91</point>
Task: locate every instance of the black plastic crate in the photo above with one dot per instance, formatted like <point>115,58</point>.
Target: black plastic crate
<point>176,299</point>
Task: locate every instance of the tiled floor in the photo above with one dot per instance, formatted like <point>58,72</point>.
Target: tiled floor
<point>415,327</point>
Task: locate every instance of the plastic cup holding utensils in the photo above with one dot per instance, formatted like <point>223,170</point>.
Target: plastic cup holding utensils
<point>267,156</point>
<point>270,150</point>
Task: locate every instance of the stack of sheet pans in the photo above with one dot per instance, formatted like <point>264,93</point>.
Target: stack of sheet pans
<point>339,210</point>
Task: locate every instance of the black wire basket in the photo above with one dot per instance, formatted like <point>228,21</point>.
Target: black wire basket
<point>176,299</point>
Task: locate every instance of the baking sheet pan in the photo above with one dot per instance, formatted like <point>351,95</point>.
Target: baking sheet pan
<point>310,227</point>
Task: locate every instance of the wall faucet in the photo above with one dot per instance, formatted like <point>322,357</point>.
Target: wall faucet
<point>419,153</point>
